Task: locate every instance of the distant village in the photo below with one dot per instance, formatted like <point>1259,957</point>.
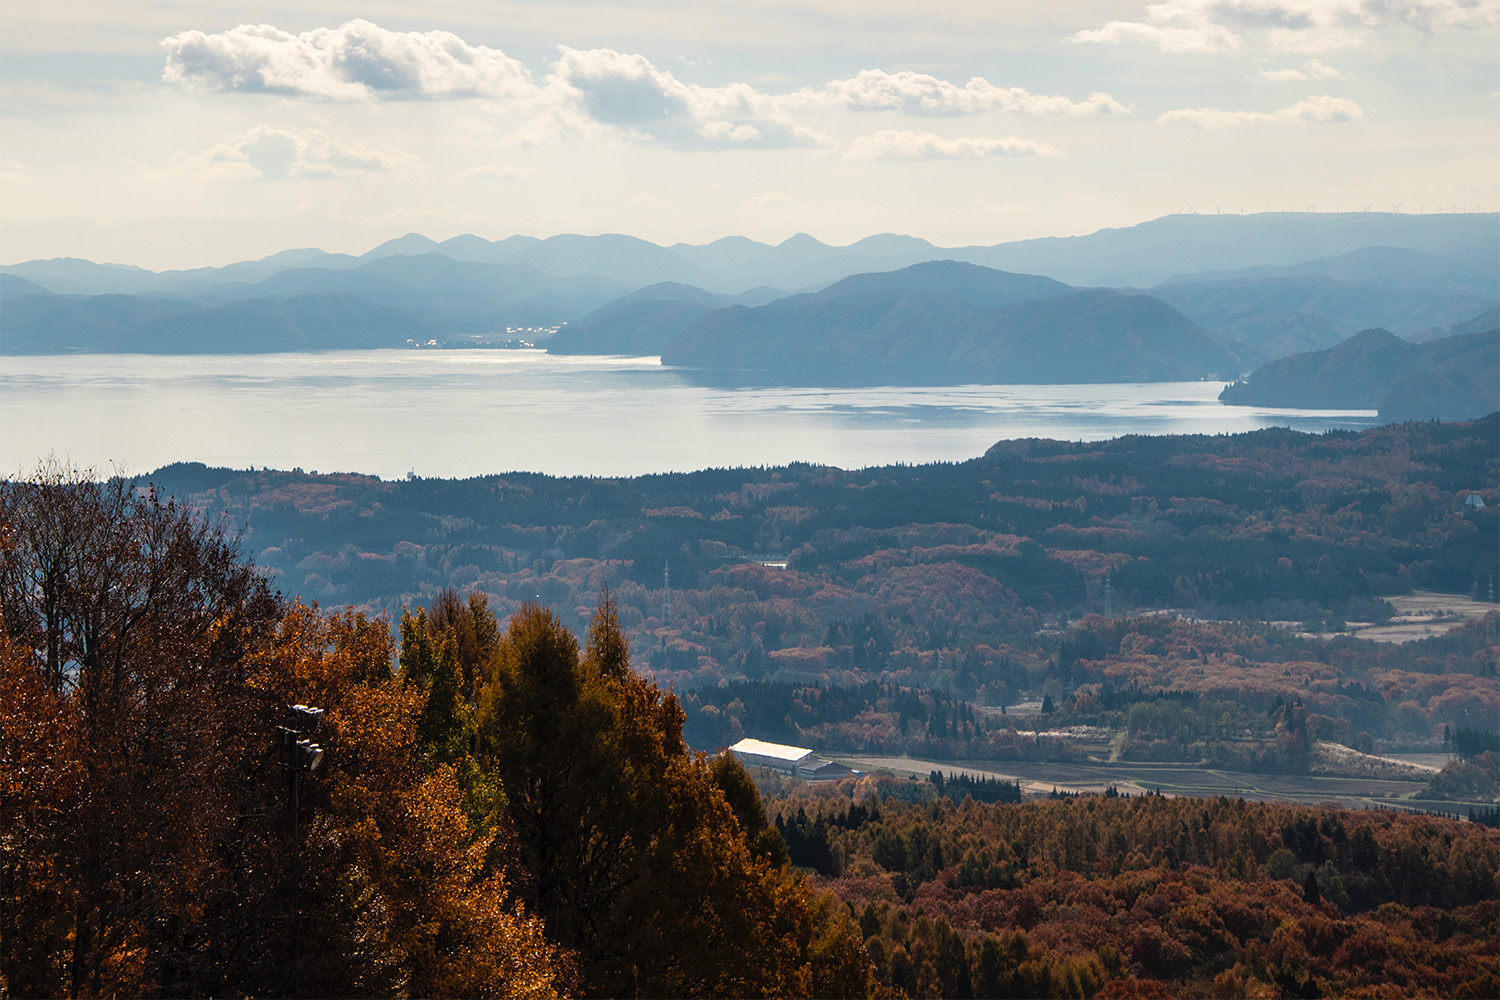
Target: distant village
<point>515,338</point>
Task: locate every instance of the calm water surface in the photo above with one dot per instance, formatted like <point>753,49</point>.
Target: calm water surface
<point>468,413</point>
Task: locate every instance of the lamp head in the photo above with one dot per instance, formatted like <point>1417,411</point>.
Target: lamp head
<point>309,755</point>
<point>306,719</point>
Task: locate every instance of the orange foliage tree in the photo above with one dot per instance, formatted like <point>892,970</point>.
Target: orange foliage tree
<point>143,667</point>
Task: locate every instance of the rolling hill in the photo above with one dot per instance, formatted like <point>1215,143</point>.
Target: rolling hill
<point>65,324</point>
<point>641,328</point>
<point>1452,378</point>
<point>948,322</point>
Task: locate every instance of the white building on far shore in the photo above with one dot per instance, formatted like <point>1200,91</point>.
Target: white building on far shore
<point>798,762</point>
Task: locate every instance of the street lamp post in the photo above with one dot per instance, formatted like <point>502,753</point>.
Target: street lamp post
<point>299,756</point>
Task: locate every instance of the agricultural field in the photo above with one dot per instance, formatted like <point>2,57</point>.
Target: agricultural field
<point>1096,777</point>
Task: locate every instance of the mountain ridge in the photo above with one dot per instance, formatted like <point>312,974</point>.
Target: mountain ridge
<point>1451,378</point>
<point>1146,254</point>
<point>951,322</point>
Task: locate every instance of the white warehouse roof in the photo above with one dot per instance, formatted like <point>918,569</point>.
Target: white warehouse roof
<point>777,750</point>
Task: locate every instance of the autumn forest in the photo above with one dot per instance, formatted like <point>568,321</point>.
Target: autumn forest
<point>517,785</point>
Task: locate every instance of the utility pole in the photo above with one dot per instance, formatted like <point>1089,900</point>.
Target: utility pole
<point>298,757</point>
<point>1109,604</point>
<point>666,587</point>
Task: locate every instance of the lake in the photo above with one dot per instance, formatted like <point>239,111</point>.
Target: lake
<point>472,412</point>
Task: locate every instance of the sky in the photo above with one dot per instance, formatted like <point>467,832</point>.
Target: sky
<point>185,133</point>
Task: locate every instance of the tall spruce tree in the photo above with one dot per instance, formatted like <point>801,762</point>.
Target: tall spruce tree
<point>637,861</point>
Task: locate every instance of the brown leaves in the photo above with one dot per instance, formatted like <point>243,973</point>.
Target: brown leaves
<point>143,666</point>
<point>398,883</point>
<point>1200,916</point>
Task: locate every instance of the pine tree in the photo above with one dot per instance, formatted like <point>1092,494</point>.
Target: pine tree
<point>638,862</point>
<point>1310,889</point>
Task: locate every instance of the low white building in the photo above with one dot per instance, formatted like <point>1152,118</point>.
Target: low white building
<point>776,756</point>
<point>799,762</point>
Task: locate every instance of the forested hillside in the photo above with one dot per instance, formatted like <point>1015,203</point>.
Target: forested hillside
<point>1241,696</point>
<point>1274,522</point>
<point>490,808</point>
<point>1112,896</point>
<point>1146,601</point>
<point>1448,378</point>
<point>961,578</point>
<point>949,323</point>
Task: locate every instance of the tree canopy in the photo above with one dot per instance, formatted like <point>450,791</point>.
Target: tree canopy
<point>637,859</point>
<point>503,815</point>
<point>144,667</point>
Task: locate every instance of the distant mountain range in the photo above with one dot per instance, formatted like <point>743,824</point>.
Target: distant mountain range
<point>1259,287</point>
<point>1283,310</point>
<point>1450,378</point>
<point>1140,256</point>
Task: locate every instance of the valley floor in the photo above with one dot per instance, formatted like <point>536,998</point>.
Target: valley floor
<point>1038,778</point>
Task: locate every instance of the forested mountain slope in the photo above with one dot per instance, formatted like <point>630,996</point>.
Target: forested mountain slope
<point>1451,378</point>
<point>957,577</point>
<point>410,836</point>
<point>948,323</point>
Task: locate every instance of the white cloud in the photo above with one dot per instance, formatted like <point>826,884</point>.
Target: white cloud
<point>1197,37</point>
<point>355,61</point>
<point>1313,69</point>
<point>1436,15</point>
<point>626,92</point>
<point>588,93</point>
<point>1309,110</point>
<point>891,144</point>
<point>1289,25</point>
<point>645,200</point>
<point>271,154</point>
<point>920,94</point>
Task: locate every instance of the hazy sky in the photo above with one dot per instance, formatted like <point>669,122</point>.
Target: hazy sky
<point>177,133</point>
